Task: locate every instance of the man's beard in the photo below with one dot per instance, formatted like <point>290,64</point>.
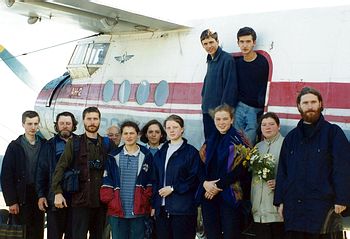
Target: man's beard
<point>65,134</point>
<point>91,128</point>
<point>311,118</point>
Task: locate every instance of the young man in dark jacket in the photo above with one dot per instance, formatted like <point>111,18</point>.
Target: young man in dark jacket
<point>59,221</point>
<point>220,82</point>
<point>313,174</point>
<point>18,176</point>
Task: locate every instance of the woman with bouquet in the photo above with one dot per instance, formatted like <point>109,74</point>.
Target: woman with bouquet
<point>223,178</point>
<point>267,222</point>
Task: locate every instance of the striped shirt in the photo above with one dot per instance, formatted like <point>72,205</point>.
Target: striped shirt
<point>128,164</point>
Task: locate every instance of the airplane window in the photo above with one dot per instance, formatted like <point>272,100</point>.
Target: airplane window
<point>142,92</point>
<point>161,94</point>
<point>88,54</point>
<point>124,91</point>
<point>78,54</point>
<point>108,91</point>
<point>98,53</point>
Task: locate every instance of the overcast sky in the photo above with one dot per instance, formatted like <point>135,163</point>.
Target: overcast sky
<point>19,38</point>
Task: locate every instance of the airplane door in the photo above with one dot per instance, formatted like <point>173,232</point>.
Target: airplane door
<point>46,103</point>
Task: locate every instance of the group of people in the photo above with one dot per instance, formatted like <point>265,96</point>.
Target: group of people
<point>126,187</point>
<point>310,181</point>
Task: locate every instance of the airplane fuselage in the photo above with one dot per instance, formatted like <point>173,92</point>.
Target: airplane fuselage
<point>147,75</point>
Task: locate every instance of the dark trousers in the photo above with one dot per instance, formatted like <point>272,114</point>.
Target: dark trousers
<point>304,235</point>
<point>209,126</point>
<point>31,216</point>
<point>86,220</point>
<point>221,221</point>
<point>274,230</point>
<point>175,226</point>
<point>59,222</point>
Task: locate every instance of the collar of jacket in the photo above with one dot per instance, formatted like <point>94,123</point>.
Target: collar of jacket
<point>216,57</point>
<point>166,145</point>
<point>273,139</point>
<point>116,151</point>
<point>221,143</point>
<point>318,126</point>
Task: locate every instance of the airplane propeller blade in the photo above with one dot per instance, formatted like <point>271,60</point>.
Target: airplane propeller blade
<point>17,67</point>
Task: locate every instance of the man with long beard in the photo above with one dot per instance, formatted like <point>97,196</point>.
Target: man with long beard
<point>89,154</point>
<point>58,220</point>
<point>313,177</point>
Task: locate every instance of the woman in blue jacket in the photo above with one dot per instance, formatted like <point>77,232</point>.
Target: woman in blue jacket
<point>224,183</point>
<point>175,173</point>
<point>127,188</point>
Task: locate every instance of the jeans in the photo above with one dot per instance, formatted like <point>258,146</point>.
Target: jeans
<point>127,228</point>
<point>246,120</point>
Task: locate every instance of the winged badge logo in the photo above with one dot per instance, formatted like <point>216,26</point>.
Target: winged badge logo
<point>123,58</point>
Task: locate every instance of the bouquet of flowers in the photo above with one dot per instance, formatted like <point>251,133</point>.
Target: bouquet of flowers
<point>263,166</point>
<point>241,155</point>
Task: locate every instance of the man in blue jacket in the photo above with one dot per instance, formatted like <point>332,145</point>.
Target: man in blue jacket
<point>59,221</point>
<point>220,82</point>
<point>313,177</point>
<point>18,176</point>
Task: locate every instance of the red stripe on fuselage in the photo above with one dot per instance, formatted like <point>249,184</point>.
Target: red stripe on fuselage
<point>332,118</point>
<point>179,93</point>
<point>335,95</point>
<point>132,108</point>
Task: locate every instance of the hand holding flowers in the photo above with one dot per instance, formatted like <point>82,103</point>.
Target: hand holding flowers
<point>263,166</point>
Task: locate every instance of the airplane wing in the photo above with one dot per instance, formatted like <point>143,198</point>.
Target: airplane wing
<point>89,15</point>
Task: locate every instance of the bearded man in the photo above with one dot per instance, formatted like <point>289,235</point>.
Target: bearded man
<point>87,154</point>
<point>313,177</point>
<point>58,221</point>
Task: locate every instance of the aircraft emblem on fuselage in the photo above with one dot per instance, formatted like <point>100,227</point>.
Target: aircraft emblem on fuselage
<point>123,58</point>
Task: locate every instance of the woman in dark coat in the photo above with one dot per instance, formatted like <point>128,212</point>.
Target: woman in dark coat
<point>223,179</point>
<point>176,167</point>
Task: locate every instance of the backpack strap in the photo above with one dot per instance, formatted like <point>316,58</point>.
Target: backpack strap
<point>106,142</point>
<point>76,148</point>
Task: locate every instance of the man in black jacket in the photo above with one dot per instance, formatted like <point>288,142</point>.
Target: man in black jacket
<point>18,176</point>
<point>58,220</point>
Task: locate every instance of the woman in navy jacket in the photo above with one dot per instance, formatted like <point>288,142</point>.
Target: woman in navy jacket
<point>222,183</point>
<point>175,173</point>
